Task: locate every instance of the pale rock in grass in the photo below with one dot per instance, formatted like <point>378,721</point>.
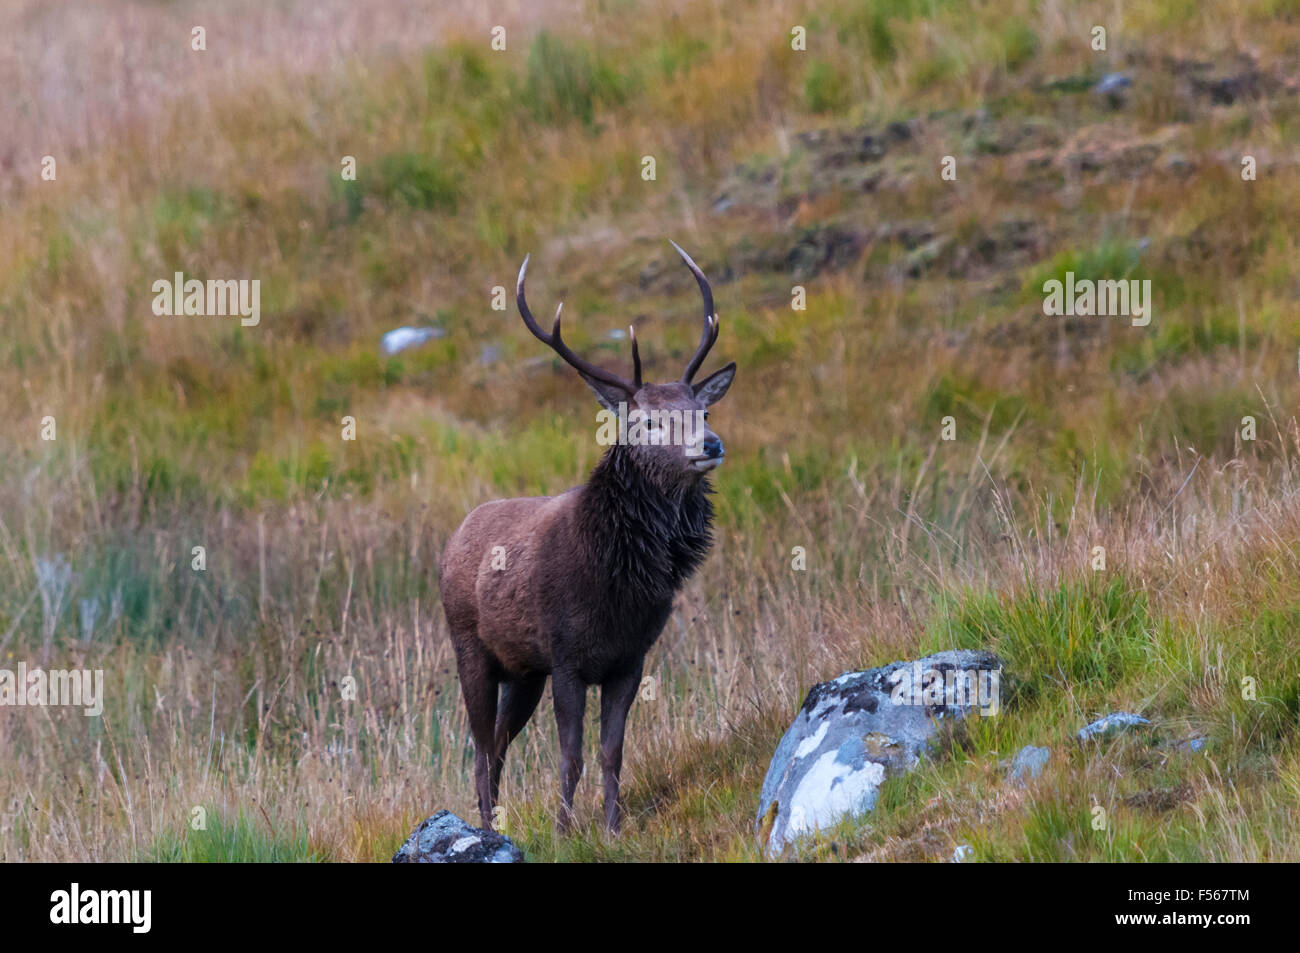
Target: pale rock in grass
<point>848,737</point>
<point>1114,88</point>
<point>399,339</point>
<point>1109,725</point>
<point>1028,764</point>
<point>1194,744</point>
<point>445,839</point>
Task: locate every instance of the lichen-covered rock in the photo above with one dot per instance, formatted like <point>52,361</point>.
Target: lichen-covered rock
<point>1111,724</point>
<point>853,732</point>
<point>1028,764</point>
<point>445,839</point>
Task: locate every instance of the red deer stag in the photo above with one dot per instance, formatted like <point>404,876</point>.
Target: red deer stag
<point>578,586</point>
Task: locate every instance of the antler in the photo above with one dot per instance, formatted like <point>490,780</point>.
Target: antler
<point>556,343</point>
<point>710,332</point>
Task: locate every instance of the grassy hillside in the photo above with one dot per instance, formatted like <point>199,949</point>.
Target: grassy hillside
<point>775,168</point>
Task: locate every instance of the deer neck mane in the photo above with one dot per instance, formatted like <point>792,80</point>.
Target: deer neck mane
<point>648,539</point>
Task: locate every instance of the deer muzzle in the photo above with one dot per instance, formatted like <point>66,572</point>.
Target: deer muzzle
<point>711,453</point>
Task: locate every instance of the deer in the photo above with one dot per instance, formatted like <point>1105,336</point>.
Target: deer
<point>578,587</point>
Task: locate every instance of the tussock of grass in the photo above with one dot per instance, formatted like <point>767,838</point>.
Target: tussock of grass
<point>241,841</point>
<point>1079,635</point>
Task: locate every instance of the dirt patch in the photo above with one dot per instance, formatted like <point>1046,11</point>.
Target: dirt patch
<point>1160,800</point>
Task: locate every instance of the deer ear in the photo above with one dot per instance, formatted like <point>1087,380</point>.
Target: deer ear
<point>712,388</point>
<point>608,395</point>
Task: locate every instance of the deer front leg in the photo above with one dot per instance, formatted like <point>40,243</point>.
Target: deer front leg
<point>570,697</point>
<point>616,697</point>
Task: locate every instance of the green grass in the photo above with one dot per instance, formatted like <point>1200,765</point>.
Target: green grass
<point>1084,636</point>
<point>244,840</point>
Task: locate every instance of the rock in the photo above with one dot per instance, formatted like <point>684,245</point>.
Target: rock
<point>850,734</point>
<point>445,839</point>
<point>1109,725</point>
<point>399,339</point>
<point>825,247</point>
<point>918,261</point>
<point>1028,763</point>
<point>963,853</point>
<point>1193,744</point>
<point>1112,84</point>
<point>1226,89</point>
<point>1114,88</point>
<point>1224,83</point>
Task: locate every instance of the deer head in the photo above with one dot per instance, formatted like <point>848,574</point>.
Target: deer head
<point>666,424</point>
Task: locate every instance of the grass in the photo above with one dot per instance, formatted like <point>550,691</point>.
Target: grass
<point>237,842</point>
<point>300,687</point>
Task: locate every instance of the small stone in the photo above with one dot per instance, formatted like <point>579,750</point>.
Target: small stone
<point>399,339</point>
<point>1114,87</point>
<point>1113,83</point>
<point>1109,725</point>
<point>1028,763</point>
<point>445,839</point>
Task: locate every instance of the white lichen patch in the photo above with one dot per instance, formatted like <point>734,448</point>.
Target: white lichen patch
<point>829,790</point>
<point>463,843</point>
<point>811,743</point>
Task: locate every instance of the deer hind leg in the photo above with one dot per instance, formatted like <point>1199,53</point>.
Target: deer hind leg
<point>518,702</point>
<point>570,697</point>
<point>616,697</point>
<point>478,686</point>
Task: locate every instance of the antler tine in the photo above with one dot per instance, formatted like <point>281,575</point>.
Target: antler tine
<point>556,342</point>
<point>710,332</point>
<point>636,357</point>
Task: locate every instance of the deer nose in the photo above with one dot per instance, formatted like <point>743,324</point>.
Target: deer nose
<point>712,448</point>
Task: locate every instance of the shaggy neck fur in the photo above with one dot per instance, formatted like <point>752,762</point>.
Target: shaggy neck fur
<point>649,538</point>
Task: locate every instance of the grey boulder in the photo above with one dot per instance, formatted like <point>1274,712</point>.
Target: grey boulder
<point>853,732</point>
<point>445,839</point>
